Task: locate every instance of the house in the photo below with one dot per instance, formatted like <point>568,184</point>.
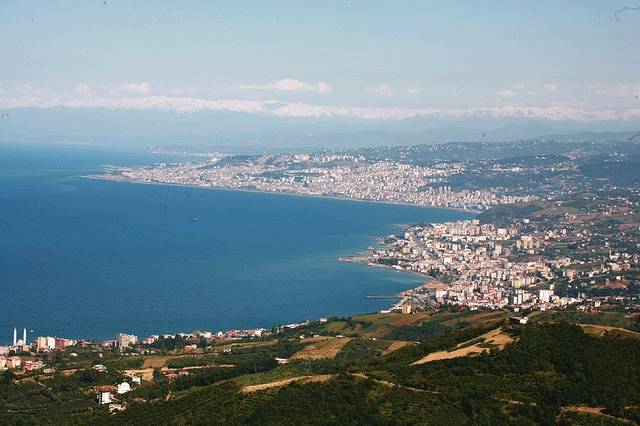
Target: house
<point>519,320</point>
<point>32,366</point>
<point>13,362</point>
<point>123,387</point>
<point>116,408</point>
<point>104,395</point>
<point>282,361</point>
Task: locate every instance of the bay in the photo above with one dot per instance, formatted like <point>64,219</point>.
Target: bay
<point>90,258</point>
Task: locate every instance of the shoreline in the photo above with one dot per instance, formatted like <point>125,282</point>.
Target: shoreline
<point>294,194</point>
<point>365,262</point>
<point>358,259</point>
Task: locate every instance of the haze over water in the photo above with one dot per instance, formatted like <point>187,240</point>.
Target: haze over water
<point>89,258</point>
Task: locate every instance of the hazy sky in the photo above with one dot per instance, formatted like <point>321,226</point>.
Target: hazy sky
<point>361,58</point>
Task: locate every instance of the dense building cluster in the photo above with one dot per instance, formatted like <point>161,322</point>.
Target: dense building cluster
<point>329,175</point>
<point>561,255</point>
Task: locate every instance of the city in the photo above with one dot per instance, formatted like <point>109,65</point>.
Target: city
<point>323,213</point>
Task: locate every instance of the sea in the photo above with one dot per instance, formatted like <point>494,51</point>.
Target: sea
<point>87,258</point>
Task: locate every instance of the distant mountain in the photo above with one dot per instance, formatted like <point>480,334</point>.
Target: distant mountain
<point>244,132</point>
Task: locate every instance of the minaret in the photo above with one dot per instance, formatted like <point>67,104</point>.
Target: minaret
<point>24,336</point>
<point>15,336</point>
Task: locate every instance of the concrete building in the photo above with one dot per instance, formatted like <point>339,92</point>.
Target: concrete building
<point>125,340</point>
<point>44,344</point>
<point>104,396</point>
<point>13,362</point>
<point>545,295</point>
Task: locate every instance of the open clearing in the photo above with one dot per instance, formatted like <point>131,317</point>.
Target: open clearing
<point>597,413</point>
<point>411,319</point>
<point>285,382</point>
<point>318,378</point>
<point>243,345</point>
<point>145,374</point>
<point>322,349</point>
<point>477,318</point>
<point>601,330</point>
<point>395,345</point>
<point>494,339</point>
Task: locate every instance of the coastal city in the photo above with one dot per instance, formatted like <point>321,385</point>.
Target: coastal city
<point>523,266</point>
<point>436,176</point>
<point>552,237</point>
<point>327,175</point>
<point>517,260</point>
<point>277,213</point>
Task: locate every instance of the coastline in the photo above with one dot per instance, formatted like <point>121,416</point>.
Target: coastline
<point>364,261</point>
<point>294,194</point>
<point>356,259</point>
<point>425,280</point>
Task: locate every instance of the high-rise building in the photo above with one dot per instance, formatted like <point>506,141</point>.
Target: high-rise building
<point>545,295</point>
<point>125,340</point>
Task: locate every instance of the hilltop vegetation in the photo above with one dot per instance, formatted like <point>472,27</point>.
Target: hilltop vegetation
<point>551,372</point>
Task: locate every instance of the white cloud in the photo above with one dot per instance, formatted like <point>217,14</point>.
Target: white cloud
<point>596,89</point>
<point>83,89</point>
<point>507,93</point>
<point>554,112</point>
<point>620,90</point>
<point>165,103</point>
<point>549,112</point>
<point>551,87</point>
<point>142,88</point>
<point>413,90</point>
<point>627,90</point>
<point>288,85</point>
<point>512,91</point>
<point>323,87</point>
<point>384,90</point>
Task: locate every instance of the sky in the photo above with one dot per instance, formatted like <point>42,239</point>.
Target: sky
<point>575,60</point>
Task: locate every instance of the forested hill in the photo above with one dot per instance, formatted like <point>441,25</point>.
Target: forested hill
<point>429,368</point>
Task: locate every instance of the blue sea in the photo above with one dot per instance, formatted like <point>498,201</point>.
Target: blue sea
<point>90,258</point>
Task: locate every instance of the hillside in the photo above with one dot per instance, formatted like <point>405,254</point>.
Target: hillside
<point>548,371</point>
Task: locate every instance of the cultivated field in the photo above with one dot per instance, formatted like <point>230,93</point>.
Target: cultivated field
<point>155,362</point>
<point>322,349</point>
